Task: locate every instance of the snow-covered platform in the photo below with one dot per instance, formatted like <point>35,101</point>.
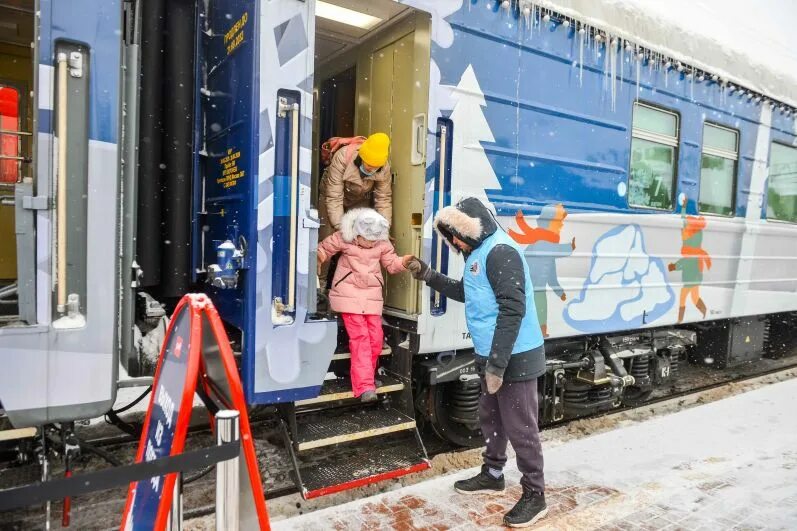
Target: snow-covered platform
<point>730,464</point>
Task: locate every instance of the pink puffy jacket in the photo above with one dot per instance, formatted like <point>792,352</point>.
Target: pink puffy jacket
<point>358,282</point>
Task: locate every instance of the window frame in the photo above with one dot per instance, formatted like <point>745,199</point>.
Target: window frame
<point>769,183</point>
<point>656,138</point>
<point>715,152</point>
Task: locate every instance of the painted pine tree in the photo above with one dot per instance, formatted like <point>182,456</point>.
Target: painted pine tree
<point>471,172</point>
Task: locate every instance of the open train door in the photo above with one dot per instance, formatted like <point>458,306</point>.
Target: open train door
<point>256,98</point>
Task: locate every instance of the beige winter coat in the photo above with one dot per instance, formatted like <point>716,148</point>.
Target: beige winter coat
<point>343,188</point>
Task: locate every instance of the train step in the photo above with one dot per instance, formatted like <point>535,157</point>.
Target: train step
<point>352,425</point>
<point>339,389</point>
<point>338,356</point>
<point>364,463</point>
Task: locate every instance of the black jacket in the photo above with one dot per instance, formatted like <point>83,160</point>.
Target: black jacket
<point>471,222</point>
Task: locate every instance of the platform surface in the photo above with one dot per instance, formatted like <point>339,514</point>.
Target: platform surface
<point>730,464</point>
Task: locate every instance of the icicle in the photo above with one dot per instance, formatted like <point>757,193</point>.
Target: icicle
<point>667,73</point>
<point>638,65</point>
<point>581,32</point>
<point>691,77</point>
<point>622,62</point>
<point>613,59</point>
<point>527,18</point>
<point>606,63</point>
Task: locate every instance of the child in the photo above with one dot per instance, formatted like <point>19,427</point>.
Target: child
<point>356,293</point>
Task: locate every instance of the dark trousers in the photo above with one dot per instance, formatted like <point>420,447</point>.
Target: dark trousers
<point>510,415</point>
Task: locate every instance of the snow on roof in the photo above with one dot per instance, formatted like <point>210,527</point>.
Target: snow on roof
<point>752,44</point>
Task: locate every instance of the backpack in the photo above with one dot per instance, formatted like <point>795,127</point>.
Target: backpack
<point>331,146</point>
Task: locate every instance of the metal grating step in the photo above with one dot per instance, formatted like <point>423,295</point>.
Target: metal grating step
<point>379,463</point>
<point>351,426</point>
<point>340,389</point>
<point>19,475</point>
<point>347,355</point>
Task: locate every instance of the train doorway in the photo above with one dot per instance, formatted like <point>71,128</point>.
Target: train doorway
<point>372,75</point>
<point>16,145</point>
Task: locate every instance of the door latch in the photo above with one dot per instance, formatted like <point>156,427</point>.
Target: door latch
<point>35,202</point>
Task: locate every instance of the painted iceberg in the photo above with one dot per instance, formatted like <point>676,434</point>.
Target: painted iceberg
<point>625,286</point>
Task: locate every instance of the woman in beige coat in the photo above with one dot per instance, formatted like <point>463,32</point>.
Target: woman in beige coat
<point>357,177</point>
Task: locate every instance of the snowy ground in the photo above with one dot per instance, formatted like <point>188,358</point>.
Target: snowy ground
<point>730,464</point>
<point>101,510</point>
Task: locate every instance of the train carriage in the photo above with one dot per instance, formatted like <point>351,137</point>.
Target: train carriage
<point>650,181</point>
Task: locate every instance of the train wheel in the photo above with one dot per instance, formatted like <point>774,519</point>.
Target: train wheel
<point>455,412</point>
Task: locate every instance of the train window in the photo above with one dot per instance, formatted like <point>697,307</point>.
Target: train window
<point>718,170</point>
<point>654,143</point>
<point>782,187</point>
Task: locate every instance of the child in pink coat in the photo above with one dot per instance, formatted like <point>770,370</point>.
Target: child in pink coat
<point>357,288</point>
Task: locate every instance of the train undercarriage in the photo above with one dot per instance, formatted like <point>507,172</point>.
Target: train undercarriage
<point>595,374</point>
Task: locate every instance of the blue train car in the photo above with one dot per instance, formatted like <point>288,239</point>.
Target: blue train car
<point>651,183</point>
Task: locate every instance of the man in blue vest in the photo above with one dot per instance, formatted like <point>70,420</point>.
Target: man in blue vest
<point>499,308</point>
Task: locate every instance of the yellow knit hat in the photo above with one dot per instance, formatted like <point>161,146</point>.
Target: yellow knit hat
<point>375,149</point>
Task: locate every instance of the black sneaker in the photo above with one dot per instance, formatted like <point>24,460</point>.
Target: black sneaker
<point>483,482</point>
<point>529,510</point>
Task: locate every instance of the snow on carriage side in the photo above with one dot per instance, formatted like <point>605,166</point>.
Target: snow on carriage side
<point>625,286</point>
<point>752,44</point>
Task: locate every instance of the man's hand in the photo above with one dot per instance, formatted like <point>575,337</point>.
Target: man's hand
<point>418,269</point>
<point>573,244</point>
<point>493,382</point>
<point>563,297</point>
<point>671,267</point>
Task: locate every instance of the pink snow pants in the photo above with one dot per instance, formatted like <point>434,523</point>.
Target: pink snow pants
<point>365,343</point>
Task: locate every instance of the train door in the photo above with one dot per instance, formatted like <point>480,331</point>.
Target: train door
<point>379,73</point>
<point>16,142</point>
<point>59,130</point>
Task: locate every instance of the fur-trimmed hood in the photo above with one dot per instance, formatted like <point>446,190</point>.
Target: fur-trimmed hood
<point>469,220</point>
<point>365,222</point>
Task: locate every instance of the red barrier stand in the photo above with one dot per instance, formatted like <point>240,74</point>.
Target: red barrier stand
<point>195,351</point>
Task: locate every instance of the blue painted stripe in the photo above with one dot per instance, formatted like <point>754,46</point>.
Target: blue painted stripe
<point>555,111</point>
<point>285,396</point>
<point>45,120</point>
<point>574,163</point>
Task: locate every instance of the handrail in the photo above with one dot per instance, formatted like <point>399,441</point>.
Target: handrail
<point>441,179</point>
<point>61,134</point>
<point>294,206</point>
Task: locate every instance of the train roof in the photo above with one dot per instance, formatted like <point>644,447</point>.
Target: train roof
<point>752,44</point>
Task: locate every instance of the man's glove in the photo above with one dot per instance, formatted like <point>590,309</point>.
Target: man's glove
<point>419,269</point>
<point>493,382</point>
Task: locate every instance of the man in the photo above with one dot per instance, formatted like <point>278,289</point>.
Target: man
<point>501,318</point>
<point>357,176</point>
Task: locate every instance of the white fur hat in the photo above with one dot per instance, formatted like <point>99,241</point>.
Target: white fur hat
<point>365,222</point>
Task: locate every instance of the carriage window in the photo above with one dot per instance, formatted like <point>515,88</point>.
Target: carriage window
<point>654,143</point>
<point>718,170</point>
<point>782,192</point>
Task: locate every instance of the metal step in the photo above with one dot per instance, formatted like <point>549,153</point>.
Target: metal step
<point>340,389</point>
<point>350,426</point>
<point>387,351</point>
<point>380,461</point>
